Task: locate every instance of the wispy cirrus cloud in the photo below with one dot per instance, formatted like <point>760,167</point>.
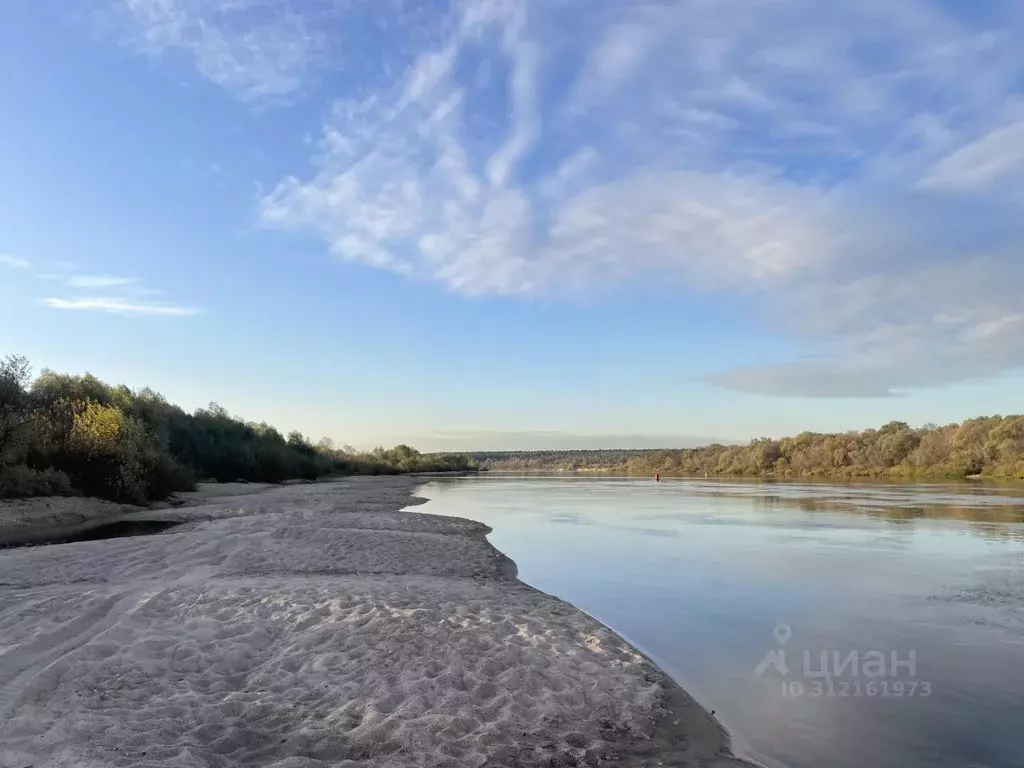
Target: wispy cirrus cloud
<point>882,334</point>
<point>733,164</point>
<point>821,159</point>
<point>996,157</point>
<point>254,49</point>
<point>262,51</point>
<point>101,281</point>
<point>14,262</point>
<point>107,293</point>
<point>118,306</point>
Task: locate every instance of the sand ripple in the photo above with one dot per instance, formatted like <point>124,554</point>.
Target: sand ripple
<point>307,627</point>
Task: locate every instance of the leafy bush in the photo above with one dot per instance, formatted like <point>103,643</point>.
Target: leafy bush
<point>19,480</point>
<point>78,432</point>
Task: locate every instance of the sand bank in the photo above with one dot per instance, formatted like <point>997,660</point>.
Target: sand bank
<point>37,519</point>
<point>313,626</point>
<point>23,521</point>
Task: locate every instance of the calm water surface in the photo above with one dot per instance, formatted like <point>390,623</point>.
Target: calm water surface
<point>712,579</point>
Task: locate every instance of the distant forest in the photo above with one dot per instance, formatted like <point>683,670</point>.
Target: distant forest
<point>991,446</point>
<point>65,434</point>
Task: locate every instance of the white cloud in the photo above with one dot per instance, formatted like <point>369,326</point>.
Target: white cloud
<point>101,281</point>
<point>254,49</point>
<point>13,262</point>
<point>796,151</point>
<point>993,158</point>
<point>891,361</point>
<point>524,58</point>
<point>715,137</point>
<point>109,293</point>
<point>118,306</point>
<point>617,56</point>
<point>402,186</point>
<point>881,335</point>
<point>714,230</point>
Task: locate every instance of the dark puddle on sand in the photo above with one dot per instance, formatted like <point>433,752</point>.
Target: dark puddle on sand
<point>113,530</point>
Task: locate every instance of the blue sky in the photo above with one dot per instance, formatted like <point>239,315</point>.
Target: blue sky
<point>504,223</point>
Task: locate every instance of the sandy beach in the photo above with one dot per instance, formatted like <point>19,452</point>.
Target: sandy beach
<point>309,626</point>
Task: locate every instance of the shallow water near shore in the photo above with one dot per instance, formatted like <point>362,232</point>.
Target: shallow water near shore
<point>826,624</point>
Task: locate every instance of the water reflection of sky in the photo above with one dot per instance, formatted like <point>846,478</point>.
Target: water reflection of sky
<point>698,573</point>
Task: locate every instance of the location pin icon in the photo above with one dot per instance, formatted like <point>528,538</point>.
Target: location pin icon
<point>782,633</point>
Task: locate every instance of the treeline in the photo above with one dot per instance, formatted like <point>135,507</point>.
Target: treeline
<point>64,434</point>
<point>560,460</point>
<point>991,446</point>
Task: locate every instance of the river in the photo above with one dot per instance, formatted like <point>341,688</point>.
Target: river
<point>826,624</point>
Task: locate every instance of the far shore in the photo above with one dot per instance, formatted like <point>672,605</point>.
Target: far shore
<point>308,625</point>
<point>769,476</point>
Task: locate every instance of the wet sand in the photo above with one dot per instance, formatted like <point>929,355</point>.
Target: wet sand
<point>317,625</point>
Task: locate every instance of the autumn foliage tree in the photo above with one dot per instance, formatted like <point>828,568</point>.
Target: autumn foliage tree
<point>991,446</point>
<point>64,433</point>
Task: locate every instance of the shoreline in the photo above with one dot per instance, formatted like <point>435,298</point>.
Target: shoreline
<point>34,520</point>
<point>881,479</point>
<point>523,678</point>
<point>684,721</point>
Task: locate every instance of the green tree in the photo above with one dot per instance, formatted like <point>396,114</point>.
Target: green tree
<point>15,374</point>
